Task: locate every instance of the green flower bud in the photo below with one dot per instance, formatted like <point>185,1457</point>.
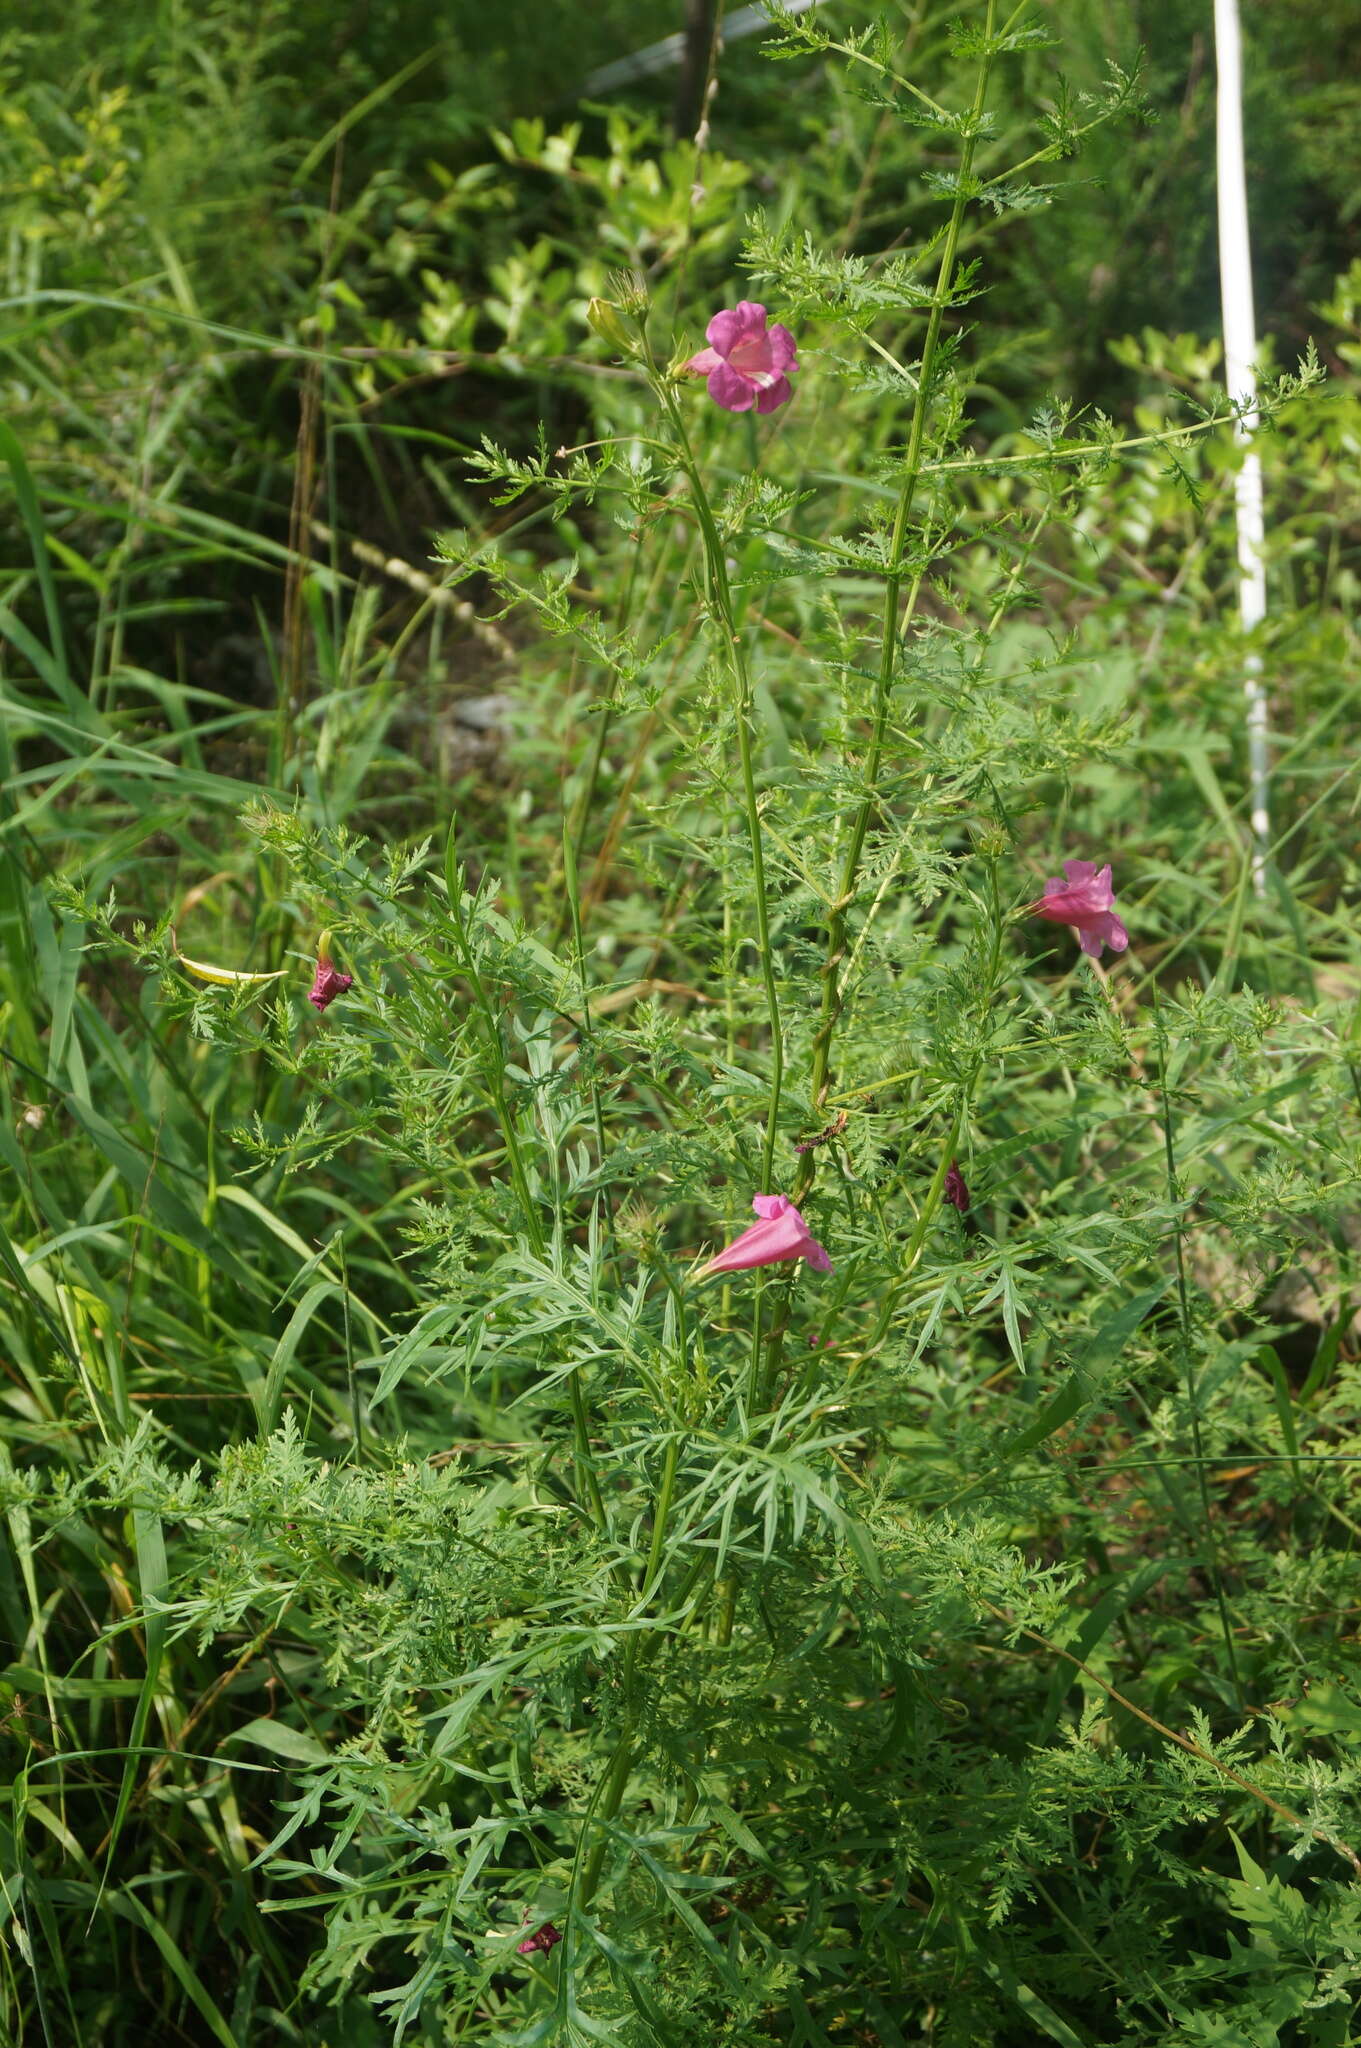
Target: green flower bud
<point>604,317</point>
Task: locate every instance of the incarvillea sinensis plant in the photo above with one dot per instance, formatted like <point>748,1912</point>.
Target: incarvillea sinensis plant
<point>723,1635</point>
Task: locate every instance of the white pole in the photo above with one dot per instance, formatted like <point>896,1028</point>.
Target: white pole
<point>1240,375</point>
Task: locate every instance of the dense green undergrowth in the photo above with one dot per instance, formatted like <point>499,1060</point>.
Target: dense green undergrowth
<point>413,1552</point>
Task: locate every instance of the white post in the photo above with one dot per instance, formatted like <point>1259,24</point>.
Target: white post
<point>1240,375</point>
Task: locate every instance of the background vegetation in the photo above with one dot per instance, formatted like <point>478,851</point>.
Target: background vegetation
<point>406,1555</point>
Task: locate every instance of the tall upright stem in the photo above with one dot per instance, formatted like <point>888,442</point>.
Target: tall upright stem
<point>832,994</point>
<point>639,1651</point>
<point>1188,1350</point>
<point>495,1074</point>
<point>720,597</point>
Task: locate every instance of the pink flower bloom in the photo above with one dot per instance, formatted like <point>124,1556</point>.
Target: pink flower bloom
<point>956,1189</point>
<point>546,1939</point>
<point>781,1235</point>
<point>1085,900</point>
<point>328,985</point>
<point>746,361</point>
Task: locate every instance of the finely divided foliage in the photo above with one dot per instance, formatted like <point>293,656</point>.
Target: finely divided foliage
<point>473,1584</point>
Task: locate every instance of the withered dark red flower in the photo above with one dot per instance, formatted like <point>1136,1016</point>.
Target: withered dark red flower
<point>329,984</point>
<point>543,1941</point>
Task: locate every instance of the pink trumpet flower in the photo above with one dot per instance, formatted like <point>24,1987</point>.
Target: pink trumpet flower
<point>1086,901</point>
<point>329,984</point>
<point>956,1189</point>
<point>746,360</point>
<point>781,1235</point>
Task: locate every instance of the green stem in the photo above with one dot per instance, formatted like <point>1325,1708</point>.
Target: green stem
<point>580,1422</point>
<point>930,1209</point>
<point>728,1610</point>
<point>617,1781</point>
<point>613,1795</point>
<point>665,1495</point>
<point>891,635</point>
<point>581,1431</point>
<point>833,995</point>
<point>574,828</point>
<point>935,1194</point>
<point>720,597</point>
<point>1188,1351</point>
<point>495,1073</point>
<point>666,1491</point>
<point>573,892</point>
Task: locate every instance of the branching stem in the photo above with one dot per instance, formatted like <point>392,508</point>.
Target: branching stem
<point>893,628</point>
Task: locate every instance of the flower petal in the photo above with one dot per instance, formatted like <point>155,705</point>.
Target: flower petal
<point>784,353</point>
<point>777,394</point>
<point>1084,897</point>
<point>329,984</point>
<point>780,1237</point>
<point>751,356</point>
<point>762,1244</point>
<point>724,331</point>
<point>734,324</point>
<point>701,364</point>
<point>1058,906</point>
<point>730,390</point>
